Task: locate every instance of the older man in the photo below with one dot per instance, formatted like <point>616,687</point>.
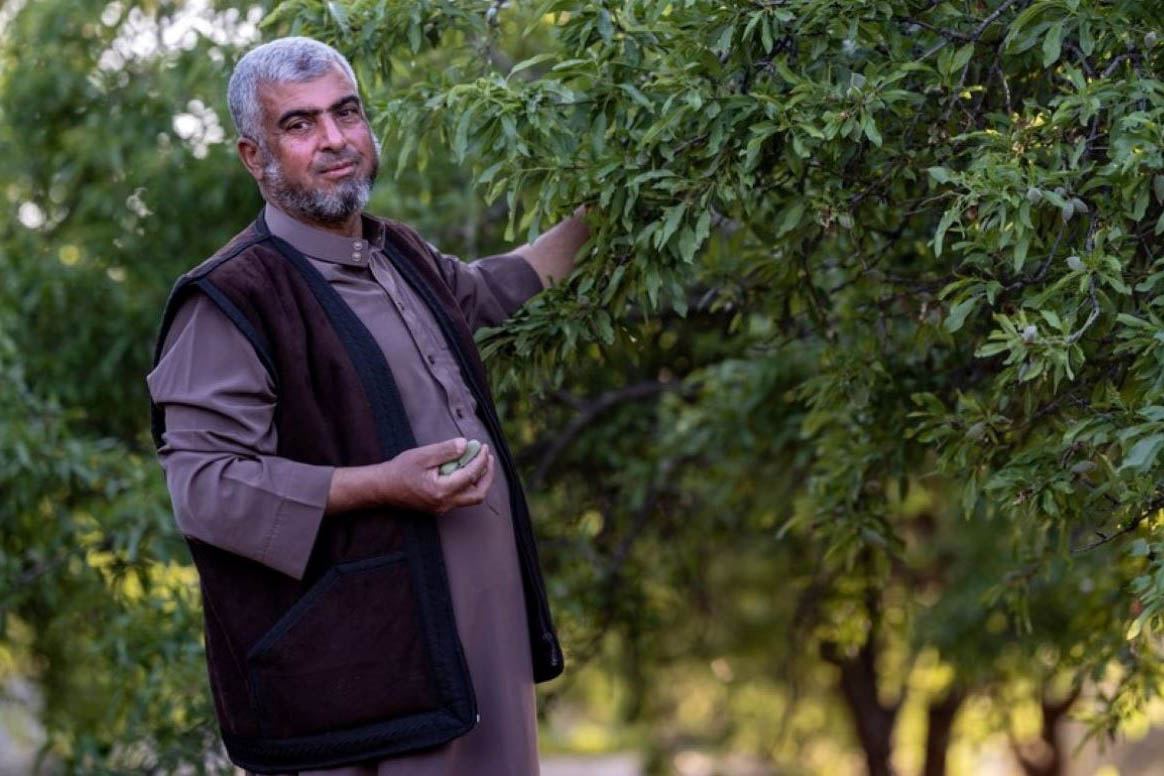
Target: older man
<point>364,613</point>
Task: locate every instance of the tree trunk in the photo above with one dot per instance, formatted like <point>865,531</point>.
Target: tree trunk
<point>873,720</point>
<point>941,721</point>
<point>1044,757</point>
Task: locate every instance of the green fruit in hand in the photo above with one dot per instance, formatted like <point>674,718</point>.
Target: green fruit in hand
<point>471,450</point>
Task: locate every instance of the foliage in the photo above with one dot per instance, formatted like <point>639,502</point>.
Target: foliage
<point>107,202</point>
<point>925,241</point>
<point>859,371</point>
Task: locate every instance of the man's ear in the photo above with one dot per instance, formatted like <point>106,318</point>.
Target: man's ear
<point>251,157</point>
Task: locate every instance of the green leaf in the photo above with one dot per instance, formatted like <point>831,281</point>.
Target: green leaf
<point>340,15</point>
<point>1051,317</point>
<point>461,136</point>
<point>724,43</point>
<point>636,95</point>
<point>992,349</point>
<point>869,125</point>
<point>1137,625</point>
<point>605,329</point>
<point>703,225</point>
<point>1020,252</point>
<point>528,63</point>
<point>672,216</point>
<point>1053,44</point>
<point>1086,38</point>
<point>957,315</point>
<point>943,225</point>
<point>961,58</point>
<point>940,174</point>
<point>1143,453</point>
<point>687,244</point>
<point>791,218</point>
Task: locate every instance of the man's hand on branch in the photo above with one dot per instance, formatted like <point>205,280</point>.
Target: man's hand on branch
<point>412,480</point>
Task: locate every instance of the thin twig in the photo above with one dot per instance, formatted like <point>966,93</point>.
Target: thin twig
<point>1152,507</point>
<point>990,19</point>
<point>1091,318</point>
<point>1112,65</point>
<point>1005,89</point>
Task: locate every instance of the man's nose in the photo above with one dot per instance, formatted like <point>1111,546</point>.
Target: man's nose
<point>331,135</point>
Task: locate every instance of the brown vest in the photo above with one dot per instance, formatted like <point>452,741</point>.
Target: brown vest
<point>360,659</point>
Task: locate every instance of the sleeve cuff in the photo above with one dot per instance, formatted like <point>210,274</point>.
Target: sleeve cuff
<point>296,525</point>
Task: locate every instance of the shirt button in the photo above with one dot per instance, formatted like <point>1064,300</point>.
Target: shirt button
<point>400,306</point>
<point>460,412</point>
<point>358,244</point>
<point>431,358</point>
<point>356,256</point>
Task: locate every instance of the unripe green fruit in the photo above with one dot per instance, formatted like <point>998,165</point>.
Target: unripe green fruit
<point>471,450</point>
<point>1034,195</point>
<point>1074,263</point>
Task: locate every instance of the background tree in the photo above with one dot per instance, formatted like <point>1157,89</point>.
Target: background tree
<point>860,363</point>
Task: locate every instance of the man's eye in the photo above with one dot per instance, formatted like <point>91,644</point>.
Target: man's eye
<point>297,126</point>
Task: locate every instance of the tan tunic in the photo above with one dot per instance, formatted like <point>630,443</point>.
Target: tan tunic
<point>230,490</point>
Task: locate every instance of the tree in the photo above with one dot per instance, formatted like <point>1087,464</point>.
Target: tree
<point>113,168</point>
<point>859,360</point>
<point>931,231</point>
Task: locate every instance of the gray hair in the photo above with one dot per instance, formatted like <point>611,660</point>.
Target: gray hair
<point>284,60</point>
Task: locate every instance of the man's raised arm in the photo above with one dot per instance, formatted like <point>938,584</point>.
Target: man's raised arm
<point>552,254</point>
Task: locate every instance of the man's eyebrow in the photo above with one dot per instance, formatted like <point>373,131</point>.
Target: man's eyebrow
<point>297,112</point>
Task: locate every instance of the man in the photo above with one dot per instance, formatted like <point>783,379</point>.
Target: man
<point>364,613</point>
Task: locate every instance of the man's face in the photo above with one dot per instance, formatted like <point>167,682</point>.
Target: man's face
<point>318,159</point>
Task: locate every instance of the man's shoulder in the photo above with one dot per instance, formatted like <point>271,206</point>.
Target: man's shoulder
<point>235,247</point>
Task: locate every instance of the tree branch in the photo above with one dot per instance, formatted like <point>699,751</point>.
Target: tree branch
<point>587,415</point>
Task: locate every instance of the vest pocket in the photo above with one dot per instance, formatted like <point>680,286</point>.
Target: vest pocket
<point>348,653</point>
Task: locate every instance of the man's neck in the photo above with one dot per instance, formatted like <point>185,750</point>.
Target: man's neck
<point>352,227</point>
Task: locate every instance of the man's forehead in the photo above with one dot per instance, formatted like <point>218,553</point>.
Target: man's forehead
<point>314,94</point>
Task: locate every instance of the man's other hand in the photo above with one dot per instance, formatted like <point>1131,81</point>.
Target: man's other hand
<point>412,480</point>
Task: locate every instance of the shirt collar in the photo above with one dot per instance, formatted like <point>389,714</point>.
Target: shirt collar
<point>321,244</point>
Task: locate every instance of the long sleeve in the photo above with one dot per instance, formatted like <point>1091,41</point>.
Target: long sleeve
<point>227,486</point>
<point>488,290</point>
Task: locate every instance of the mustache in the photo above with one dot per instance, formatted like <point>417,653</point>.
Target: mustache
<point>330,159</point>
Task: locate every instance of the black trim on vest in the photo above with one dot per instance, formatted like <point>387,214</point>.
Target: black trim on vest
<point>405,734</point>
<point>523,530</point>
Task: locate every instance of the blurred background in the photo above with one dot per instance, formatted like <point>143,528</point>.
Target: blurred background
<point>708,629</point>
